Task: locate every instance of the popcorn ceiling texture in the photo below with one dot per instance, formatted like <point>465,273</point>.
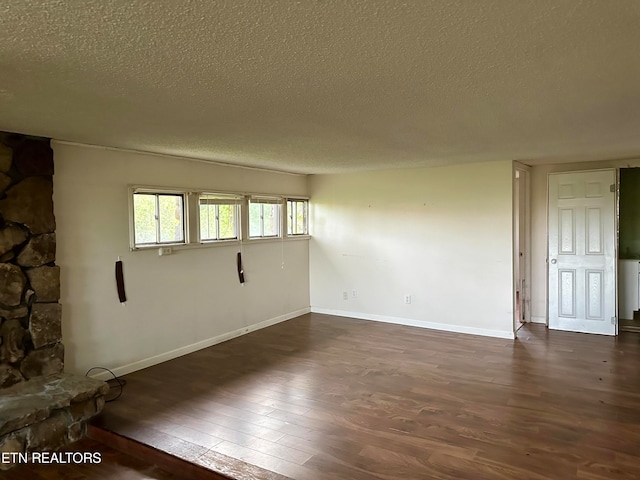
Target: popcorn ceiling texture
<point>327,86</point>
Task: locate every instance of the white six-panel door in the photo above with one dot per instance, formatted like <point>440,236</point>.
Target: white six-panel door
<point>582,256</point>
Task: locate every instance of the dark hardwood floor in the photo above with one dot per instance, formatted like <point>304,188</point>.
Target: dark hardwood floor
<point>321,397</point>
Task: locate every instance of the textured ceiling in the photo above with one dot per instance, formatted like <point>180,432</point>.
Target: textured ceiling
<point>319,86</point>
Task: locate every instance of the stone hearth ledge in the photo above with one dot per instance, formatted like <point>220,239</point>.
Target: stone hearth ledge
<point>47,413</point>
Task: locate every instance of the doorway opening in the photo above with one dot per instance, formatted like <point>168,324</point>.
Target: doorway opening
<point>629,250</point>
<point>521,245</point>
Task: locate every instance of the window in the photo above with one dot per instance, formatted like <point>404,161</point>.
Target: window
<point>297,216</point>
<point>218,217</point>
<point>158,218</point>
<point>264,217</point>
<point>188,218</point>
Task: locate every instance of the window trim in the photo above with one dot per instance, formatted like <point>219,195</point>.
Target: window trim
<point>221,199</point>
<point>157,192</point>
<point>265,200</point>
<point>306,217</point>
<point>191,217</point>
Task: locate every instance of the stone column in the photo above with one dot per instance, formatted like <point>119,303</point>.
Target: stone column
<point>30,315</point>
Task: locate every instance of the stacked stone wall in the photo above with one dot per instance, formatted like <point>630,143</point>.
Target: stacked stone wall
<point>41,408</point>
<point>30,315</point>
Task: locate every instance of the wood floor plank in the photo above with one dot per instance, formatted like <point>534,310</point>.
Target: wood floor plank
<point>323,397</point>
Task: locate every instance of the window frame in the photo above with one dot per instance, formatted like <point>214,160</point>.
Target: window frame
<point>157,192</point>
<point>221,199</point>
<point>289,218</point>
<point>191,217</point>
<point>264,200</point>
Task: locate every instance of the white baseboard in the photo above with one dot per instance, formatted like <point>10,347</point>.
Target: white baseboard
<point>536,319</point>
<point>417,323</point>
<point>178,352</point>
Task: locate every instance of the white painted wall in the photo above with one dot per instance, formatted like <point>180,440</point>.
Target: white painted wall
<point>442,235</point>
<point>176,303</point>
<point>539,174</point>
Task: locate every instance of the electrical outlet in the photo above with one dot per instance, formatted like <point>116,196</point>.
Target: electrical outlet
<point>407,299</point>
<point>354,293</point>
<point>345,295</point>
<point>165,251</point>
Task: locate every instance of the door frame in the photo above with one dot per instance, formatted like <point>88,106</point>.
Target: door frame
<point>615,242</point>
<point>616,247</point>
<point>521,179</point>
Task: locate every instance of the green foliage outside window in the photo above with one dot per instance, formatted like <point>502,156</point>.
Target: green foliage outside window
<point>217,221</point>
<point>297,220</point>
<point>264,219</point>
<point>158,218</point>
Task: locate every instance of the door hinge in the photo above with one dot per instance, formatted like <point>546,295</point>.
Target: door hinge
<point>612,187</point>
<point>613,320</point>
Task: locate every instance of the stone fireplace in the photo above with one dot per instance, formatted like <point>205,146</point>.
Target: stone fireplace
<point>41,408</point>
<point>30,315</point>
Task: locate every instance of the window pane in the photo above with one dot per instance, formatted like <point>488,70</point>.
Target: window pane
<point>226,217</point>
<point>254,219</point>
<point>207,222</point>
<point>270,220</point>
<point>144,215</point>
<point>171,218</point>
<point>290,211</point>
<point>301,218</point>
<point>297,220</point>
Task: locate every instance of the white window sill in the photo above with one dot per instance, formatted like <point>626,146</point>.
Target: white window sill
<point>219,243</point>
<point>276,239</point>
